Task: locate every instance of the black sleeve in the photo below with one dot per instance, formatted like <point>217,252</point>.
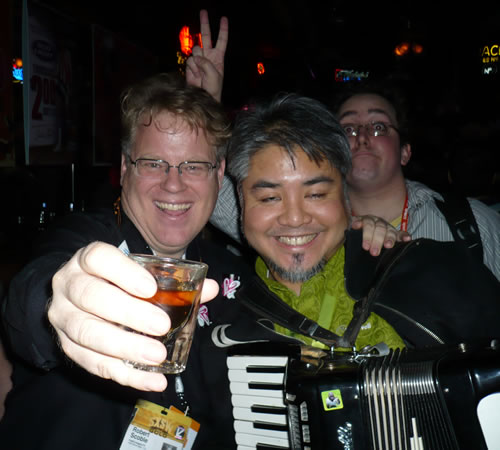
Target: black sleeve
<point>24,315</point>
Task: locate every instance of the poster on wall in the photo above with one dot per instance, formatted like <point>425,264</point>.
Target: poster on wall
<point>117,63</point>
<point>56,108</point>
<point>7,131</point>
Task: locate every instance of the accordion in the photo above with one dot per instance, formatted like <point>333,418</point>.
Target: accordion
<point>295,397</point>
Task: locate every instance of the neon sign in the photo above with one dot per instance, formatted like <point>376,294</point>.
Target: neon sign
<point>17,70</point>
<point>342,75</point>
<point>187,40</point>
<point>490,53</point>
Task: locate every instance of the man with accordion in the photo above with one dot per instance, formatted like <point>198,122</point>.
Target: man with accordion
<point>396,338</point>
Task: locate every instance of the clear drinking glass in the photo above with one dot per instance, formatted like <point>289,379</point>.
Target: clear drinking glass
<point>179,290</point>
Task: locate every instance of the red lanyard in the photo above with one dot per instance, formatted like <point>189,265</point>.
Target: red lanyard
<point>404,215</point>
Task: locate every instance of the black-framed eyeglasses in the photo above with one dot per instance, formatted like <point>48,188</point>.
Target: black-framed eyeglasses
<point>157,168</point>
<point>375,129</point>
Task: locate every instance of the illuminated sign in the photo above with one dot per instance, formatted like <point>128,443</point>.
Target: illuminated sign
<point>490,58</point>
<point>186,41</point>
<point>260,69</point>
<point>490,53</point>
<point>342,75</point>
<point>17,70</point>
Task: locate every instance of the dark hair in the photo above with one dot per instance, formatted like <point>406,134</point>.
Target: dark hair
<point>293,123</point>
<point>168,92</point>
<point>393,94</point>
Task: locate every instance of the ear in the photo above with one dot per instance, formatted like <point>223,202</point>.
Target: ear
<point>405,154</point>
<point>220,172</point>
<point>123,168</point>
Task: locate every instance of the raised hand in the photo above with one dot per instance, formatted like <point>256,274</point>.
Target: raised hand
<point>205,68</point>
<point>377,233</point>
<point>94,299</point>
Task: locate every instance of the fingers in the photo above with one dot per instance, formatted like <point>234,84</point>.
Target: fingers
<point>109,263</point>
<point>403,236</point>
<point>377,233</point>
<point>193,73</point>
<point>91,332</point>
<point>223,36</point>
<point>98,280</point>
<point>209,291</point>
<point>206,35</point>
<point>114,368</point>
<point>92,309</point>
<point>91,306</point>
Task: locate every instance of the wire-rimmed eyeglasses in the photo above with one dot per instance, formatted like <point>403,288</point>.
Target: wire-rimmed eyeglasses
<point>373,128</point>
<point>157,168</point>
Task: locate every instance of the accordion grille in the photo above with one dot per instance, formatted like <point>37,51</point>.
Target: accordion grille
<point>403,406</point>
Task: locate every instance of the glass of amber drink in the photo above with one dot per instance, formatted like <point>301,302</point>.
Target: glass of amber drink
<point>179,291</point>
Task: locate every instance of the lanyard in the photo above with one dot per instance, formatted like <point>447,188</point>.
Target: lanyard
<point>404,215</point>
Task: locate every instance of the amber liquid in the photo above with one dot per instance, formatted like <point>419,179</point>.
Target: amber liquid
<point>176,304</point>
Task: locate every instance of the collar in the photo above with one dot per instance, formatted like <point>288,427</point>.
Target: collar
<point>312,290</point>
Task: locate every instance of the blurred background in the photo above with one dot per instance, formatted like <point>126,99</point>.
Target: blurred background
<point>64,63</point>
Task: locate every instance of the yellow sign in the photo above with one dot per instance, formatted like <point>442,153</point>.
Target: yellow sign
<point>490,53</point>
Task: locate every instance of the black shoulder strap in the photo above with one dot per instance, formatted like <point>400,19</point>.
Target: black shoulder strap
<point>257,297</point>
<point>463,226</point>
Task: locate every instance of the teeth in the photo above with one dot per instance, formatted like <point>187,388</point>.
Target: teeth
<point>173,206</point>
<point>297,240</point>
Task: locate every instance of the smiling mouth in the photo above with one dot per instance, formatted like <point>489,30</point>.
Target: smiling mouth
<point>173,206</point>
<point>296,240</point>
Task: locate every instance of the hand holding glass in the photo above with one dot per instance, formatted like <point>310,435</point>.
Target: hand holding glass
<point>179,291</point>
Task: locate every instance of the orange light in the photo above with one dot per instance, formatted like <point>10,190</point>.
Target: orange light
<point>402,49</point>
<point>18,62</point>
<point>260,69</point>
<point>186,41</point>
<point>417,49</point>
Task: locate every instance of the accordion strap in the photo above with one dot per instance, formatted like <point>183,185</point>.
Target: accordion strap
<point>256,296</point>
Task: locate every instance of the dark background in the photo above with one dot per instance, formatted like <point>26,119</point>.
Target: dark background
<point>455,107</point>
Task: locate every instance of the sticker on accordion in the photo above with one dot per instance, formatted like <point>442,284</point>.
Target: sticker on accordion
<point>154,427</point>
<point>332,399</point>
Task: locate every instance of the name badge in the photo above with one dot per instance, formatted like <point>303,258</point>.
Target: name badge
<point>155,427</point>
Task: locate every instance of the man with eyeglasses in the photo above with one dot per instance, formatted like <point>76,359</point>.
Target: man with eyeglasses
<point>82,288</point>
<point>375,122</point>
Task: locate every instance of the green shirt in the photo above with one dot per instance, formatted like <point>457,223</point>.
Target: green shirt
<point>324,299</point>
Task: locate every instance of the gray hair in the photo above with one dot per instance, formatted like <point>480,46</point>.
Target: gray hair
<point>145,100</point>
<point>293,123</point>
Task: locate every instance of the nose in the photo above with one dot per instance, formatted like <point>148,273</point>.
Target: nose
<point>362,137</point>
<point>294,213</point>
<point>172,181</point>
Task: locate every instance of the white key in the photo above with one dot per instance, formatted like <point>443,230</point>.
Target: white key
<point>242,362</point>
<point>247,434</point>
<point>248,414</point>
<point>255,377</point>
<point>244,389</point>
<point>247,401</point>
